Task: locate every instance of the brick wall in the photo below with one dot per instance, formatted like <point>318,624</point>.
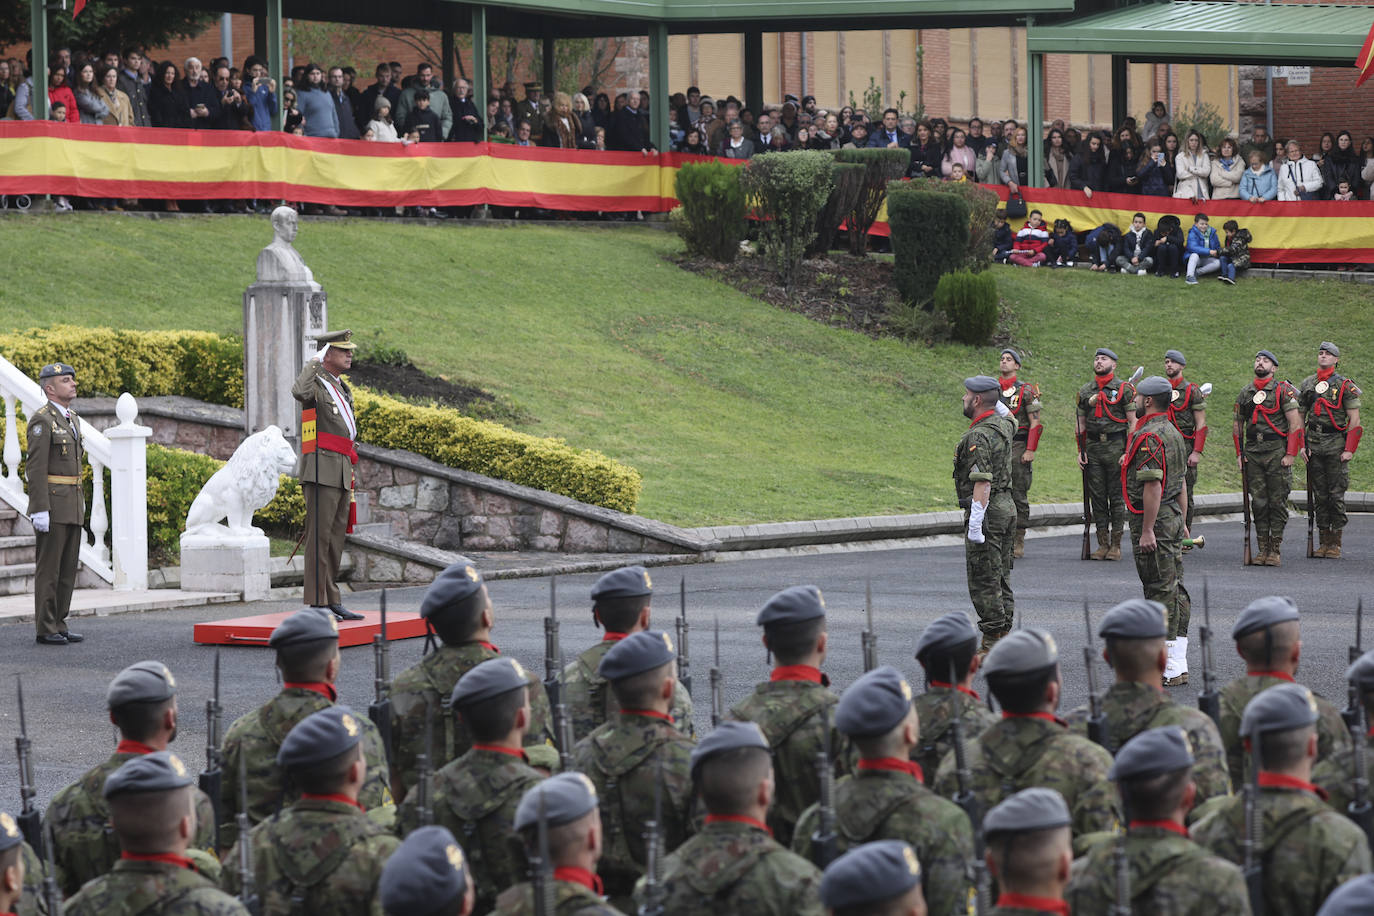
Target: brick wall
<point>1331,103</point>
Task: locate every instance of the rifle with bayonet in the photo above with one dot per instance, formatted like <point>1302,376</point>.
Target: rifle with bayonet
<point>541,867</point>
<point>424,769</point>
<point>824,840</point>
<point>1360,810</point>
<point>1097,720</point>
<point>684,664</point>
<point>869,636</point>
<point>1252,848</point>
<point>966,800</point>
<point>30,820</point>
<point>248,893</point>
<point>212,777</point>
<point>553,681</point>
<point>1247,559</point>
<point>1311,510</point>
<point>1351,713</point>
<point>653,850</point>
<point>380,709</point>
<point>717,709</point>
<point>1209,701</point>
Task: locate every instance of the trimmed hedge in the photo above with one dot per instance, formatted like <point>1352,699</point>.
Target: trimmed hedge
<point>787,192</point>
<point>982,206</point>
<point>929,238</point>
<point>713,209</point>
<point>970,301</point>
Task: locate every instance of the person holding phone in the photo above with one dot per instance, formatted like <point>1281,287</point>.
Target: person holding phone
<point>261,94</point>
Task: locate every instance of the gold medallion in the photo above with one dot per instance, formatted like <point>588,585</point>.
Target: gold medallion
<point>1259,397</point>
<point>1322,387</point>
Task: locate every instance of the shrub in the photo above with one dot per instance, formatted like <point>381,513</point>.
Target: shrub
<point>982,205</point>
<point>881,166</point>
<point>1203,117</point>
<point>712,222</point>
<point>970,301</point>
<point>787,191</point>
<point>929,238</point>
<point>848,180</point>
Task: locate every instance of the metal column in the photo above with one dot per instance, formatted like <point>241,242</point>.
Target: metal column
<point>753,71</point>
<point>276,60</point>
<point>1120,103</point>
<point>38,22</point>
<point>1035,119</point>
<point>658,85</point>
<point>481,77</point>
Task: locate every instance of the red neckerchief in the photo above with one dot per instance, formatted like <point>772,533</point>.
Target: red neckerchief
<point>488,646</point>
<point>1140,421</point>
<point>738,819</point>
<point>978,419</point>
<point>1175,826</point>
<point>1278,674</point>
<point>613,637</point>
<point>1007,383</point>
<point>325,690</point>
<point>1047,716</point>
<point>1027,902</point>
<point>1260,383</point>
<point>894,765</point>
<point>1324,375</point>
<point>332,797</point>
<point>648,713</point>
<point>797,673</point>
<point>1104,380</point>
<point>128,746</point>
<point>1279,781</point>
<point>574,875</point>
<point>512,751</point>
<point>166,858</point>
<point>959,687</point>
<point>1177,381</point>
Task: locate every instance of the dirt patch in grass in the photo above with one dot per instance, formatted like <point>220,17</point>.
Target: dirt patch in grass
<point>409,382</point>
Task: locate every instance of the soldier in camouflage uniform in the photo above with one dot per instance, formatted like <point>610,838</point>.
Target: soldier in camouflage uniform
<point>1134,632</point>
<point>623,758</point>
<point>458,610</point>
<point>1105,414</point>
<point>791,708</point>
<point>143,706</point>
<point>1030,746</point>
<point>1023,400</point>
<point>882,877</point>
<point>323,854</point>
<point>1188,413</point>
<point>427,876</point>
<point>948,651</point>
<point>1167,872</point>
<point>620,605</point>
<point>150,805</point>
<point>1331,403</point>
<point>1267,431</point>
<point>1030,852</point>
<point>307,645</point>
<point>886,798</point>
<point>29,900</point>
<point>733,865</point>
<point>567,805</point>
<point>1269,638</point>
<point>982,483</point>
<point>1336,774</point>
<point>1306,850</point>
<point>475,796</point>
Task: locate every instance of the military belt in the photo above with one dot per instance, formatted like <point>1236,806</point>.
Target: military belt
<point>1107,437</point>
<point>1257,435</point>
<point>66,480</point>
<point>1021,436</point>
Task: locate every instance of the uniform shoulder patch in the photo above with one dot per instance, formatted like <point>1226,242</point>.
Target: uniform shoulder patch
<point>35,429</point>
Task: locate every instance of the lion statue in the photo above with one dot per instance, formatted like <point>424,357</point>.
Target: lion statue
<point>245,484</point>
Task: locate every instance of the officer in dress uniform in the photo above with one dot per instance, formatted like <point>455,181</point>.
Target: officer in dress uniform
<point>1188,413</point>
<point>1023,400</point>
<point>528,110</point>
<point>882,878</point>
<point>1331,403</point>
<point>55,504</point>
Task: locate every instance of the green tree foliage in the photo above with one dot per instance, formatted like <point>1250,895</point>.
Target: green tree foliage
<point>786,191</point>
<point>104,25</point>
<point>969,300</point>
<point>929,238</point>
<point>712,222</point>
<point>881,166</point>
<point>982,205</point>
<point>1203,117</point>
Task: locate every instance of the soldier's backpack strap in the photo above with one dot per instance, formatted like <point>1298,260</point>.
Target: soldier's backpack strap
<point>613,799</point>
<point>802,714</point>
<point>165,904</point>
<point>858,826</point>
<point>1286,825</point>
<point>447,727</point>
<point>353,830</point>
<point>471,819</point>
<point>1011,778</point>
<point>1143,882</point>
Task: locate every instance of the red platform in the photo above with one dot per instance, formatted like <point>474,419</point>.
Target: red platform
<point>255,631</point>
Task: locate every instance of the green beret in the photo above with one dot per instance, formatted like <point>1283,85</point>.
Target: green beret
<point>491,678</point>
<point>426,875</point>
<point>870,874</point>
<point>1280,708</point>
<point>945,634</point>
<point>1028,810</point>
<point>141,682</point>
<point>1135,618</point>
<point>306,625</point>
<point>1154,386</point>
<point>1153,752</point>
<point>635,654</point>
<point>459,581</point>
<point>980,383</point>
<point>157,772</point>
<point>729,735</point>
<point>875,704</point>
<point>793,605</point>
<point>626,582</point>
<point>1263,613</point>
<point>563,799</point>
<point>1022,651</point>
<point>320,736</point>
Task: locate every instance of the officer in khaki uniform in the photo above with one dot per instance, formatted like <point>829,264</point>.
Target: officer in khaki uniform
<point>1023,400</point>
<point>1268,435</point>
<point>1331,403</point>
<point>329,430</point>
<point>1105,414</point>
<point>55,504</point>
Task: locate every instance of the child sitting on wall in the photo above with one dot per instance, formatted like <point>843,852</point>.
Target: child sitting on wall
<point>1235,251</point>
<point>1063,247</point>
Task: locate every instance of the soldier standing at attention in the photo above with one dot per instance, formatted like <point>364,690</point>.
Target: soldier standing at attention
<point>1154,481</point>
<point>1168,872</point>
<point>11,865</point>
<point>143,706</point>
<point>1332,406</point>
<point>624,757</point>
<point>948,651</point>
<point>153,816</point>
<point>734,865</point>
<point>1308,849</point>
<point>1268,436</point>
<point>1105,414</point>
<point>476,795</point>
<point>427,876</point>
<point>982,483</point>
<point>323,854</point>
<point>788,708</point>
<point>620,605</point>
<point>1030,853</point>
<point>53,469</point>
<point>1023,400</point>
<point>1188,413</point>
<point>1031,746</point>
<point>307,646</point>
<point>882,878</point>
<point>329,429</point>
<point>457,609</point>
<point>1335,774</point>
<point>886,798</point>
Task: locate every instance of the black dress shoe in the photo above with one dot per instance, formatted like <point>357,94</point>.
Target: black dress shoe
<point>52,639</point>
<point>72,637</point>
<point>343,613</point>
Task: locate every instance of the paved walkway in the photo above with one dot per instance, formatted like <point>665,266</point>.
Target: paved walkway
<point>102,602</point>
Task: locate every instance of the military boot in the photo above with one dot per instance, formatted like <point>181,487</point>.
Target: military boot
<point>1273,558</point>
<point>1262,557</point>
<point>1323,538</point>
<point>1114,552</point>
<point>1333,546</point>
<point>990,638</point>
<point>1018,550</point>
<point>1103,546</point>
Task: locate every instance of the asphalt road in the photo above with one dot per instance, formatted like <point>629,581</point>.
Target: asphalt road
<point>65,687</point>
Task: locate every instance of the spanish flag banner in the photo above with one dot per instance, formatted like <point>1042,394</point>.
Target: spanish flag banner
<point>1365,59</point>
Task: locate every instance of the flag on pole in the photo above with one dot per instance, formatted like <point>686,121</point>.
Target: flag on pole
<point>77,7</point>
<point>1364,60</point>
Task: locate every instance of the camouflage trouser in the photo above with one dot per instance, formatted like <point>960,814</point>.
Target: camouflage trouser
<point>1161,571</point>
<point>989,565</point>
<point>1328,478</point>
<point>1191,477</point>
<point>1270,483</point>
<point>1104,483</point>
<point>1021,473</point>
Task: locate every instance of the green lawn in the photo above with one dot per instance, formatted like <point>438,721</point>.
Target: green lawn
<point>732,410</point>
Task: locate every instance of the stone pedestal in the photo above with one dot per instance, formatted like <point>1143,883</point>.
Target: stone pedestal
<point>210,563</point>
<point>280,323</point>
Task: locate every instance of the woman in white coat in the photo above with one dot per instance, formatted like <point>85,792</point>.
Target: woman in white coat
<point>1299,177</point>
<point>1193,168</point>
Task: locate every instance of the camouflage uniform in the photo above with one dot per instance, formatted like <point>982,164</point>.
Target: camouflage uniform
<point>259,734</point>
<point>984,454</point>
<point>1156,453</point>
<point>1031,750</point>
<point>1130,708</point>
<point>1104,442</point>
<point>936,712</point>
<point>132,888</point>
<point>737,868</point>
<point>432,681</point>
<point>1336,775</point>
<point>475,797</point>
<point>1185,399</point>
<point>590,701</point>
<point>621,759</point>
<point>32,895</point>
<point>570,899</point>
<point>1326,424</point>
<point>1332,735</point>
<point>1264,426</point>
<point>325,852</point>
<point>1308,849</point>
<point>85,844</point>
<point>1170,875</point>
<point>891,805</point>
<point>1022,399</point>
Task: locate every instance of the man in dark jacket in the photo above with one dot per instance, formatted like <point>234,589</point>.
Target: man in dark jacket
<point>348,124</point>
<point>367,102</point>
<point>629,131</point>
<point>1137,247</point>
<point>132,86</point>
<point>467,121</point>
<point>889,134</point>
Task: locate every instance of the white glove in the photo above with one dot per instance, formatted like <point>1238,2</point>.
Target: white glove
<point>975,522</point>
<point>40,521</point>
<point>319,357</point>
<point>1002,409</point>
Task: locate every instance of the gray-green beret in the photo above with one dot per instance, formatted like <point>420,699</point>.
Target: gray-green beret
<point>1103,351</point>
<point>875,704</point>
<point>320,736</point>
<point>459,581</point>
<point>1030,809</point>
<point>426,875</point>
<point>10,836</point>
<point>306,625</point>
<point>1264,612</point>
<point>1353,898</point>
<point>564,798</point>
<point>980,383</point>
<point>1008,351</point>
<point>727,736</point>
<point>492,678</point>
<point>156,772</point>
<point>626,582</point>
<point>1136,618</point>
<point>141,682</point>
<point>872,873</point>
<point>1280,708</point>
<point>1176,356</point>
<point>945,634</point>
<point>1022,651</point>
<point>55,370</point>
<point>1269,355</point>
<point>793,605</point>
<point>635,654</point>
<point>1153,386</point>
<point>1331,348</point>
<point>1361,671</point>
<point>1153,752</point>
